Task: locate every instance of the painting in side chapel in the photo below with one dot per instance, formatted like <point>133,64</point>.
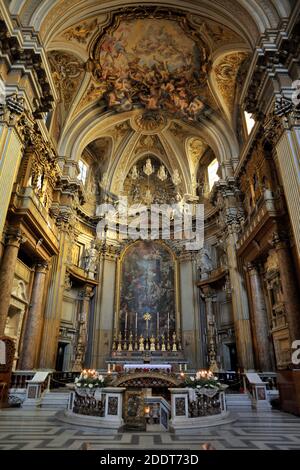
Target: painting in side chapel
<point>147,302</point>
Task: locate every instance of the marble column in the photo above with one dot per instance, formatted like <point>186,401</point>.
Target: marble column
<point>260,319</point>
<point>211,329</point>
<point>32,335</point>
<point>54,301</point>
<point>289,285</point>
<point>7,271</point>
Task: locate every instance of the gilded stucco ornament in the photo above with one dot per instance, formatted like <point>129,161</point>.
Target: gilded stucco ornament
<point>226,73</point>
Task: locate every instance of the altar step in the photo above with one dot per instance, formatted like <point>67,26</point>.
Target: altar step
<point>238,400</point>
<point>55,400</point>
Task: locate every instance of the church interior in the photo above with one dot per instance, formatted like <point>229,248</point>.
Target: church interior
<point>114,116</point>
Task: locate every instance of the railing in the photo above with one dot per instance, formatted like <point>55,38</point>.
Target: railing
<point>19,378</point>
<point>270,379</point>
<point>234,380</point>
<point>60,379</point>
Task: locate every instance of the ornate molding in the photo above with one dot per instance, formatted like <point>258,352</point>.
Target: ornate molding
<point>29,59</point>
<point>149,122</point>
<point>12,110</point>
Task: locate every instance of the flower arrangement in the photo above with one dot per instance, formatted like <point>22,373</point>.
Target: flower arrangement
<point>89,378</point>
<point>203,378</point>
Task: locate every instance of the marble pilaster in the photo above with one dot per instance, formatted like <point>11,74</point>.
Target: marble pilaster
<point>11,146</point>
<point>288,157</point>
<point>227,198</point>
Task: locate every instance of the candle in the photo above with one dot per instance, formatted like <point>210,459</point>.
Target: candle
<point>126,321</point>
<point>157,323</point>
<point>136,321</point>
<point>168,322</point>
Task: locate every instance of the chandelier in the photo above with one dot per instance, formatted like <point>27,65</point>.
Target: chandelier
<point>162,174</point>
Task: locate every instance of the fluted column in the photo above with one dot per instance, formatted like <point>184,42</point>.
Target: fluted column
<point>289,286</point>
<point>260,315</point>
<point>227,198</point>
<point>7,271</point>
<point>10,150</point>
<point>32,335</point>
<point>288,156</point>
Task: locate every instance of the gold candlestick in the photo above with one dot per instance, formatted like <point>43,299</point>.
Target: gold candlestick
<point>152,343</point>
<point>119,342</point>
<point>174,347</point>
<point>141,341</point>
<point>130,348</point>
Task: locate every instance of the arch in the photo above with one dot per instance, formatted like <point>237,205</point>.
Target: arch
<point>247,16</point>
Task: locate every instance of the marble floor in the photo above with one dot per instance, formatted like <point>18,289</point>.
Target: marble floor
<point>40,429</point>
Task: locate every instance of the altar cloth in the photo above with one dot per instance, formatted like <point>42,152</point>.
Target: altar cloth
<point>147,366</point>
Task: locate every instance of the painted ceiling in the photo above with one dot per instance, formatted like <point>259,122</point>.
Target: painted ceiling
<point>152,63</point>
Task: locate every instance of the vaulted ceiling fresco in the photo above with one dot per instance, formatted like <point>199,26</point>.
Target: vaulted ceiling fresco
<point>153,63</point>
<point>153,59</point>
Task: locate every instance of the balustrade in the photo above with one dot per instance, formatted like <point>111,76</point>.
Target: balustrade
<point>19,378</point>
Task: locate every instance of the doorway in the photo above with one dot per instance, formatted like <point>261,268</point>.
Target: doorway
<point>61,349</point>
<point>232,355</point>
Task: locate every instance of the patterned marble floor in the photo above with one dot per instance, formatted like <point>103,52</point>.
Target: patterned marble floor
<point>22,429</point>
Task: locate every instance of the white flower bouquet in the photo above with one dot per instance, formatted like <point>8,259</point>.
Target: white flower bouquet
<point>90,378</point>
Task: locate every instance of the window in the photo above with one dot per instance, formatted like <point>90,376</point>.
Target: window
<point>212,173</point>
<point>83,169</point>
<point>250,123</point>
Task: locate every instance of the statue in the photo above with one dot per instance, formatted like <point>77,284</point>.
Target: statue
<point>91,261</point>
<point>205,263</point>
